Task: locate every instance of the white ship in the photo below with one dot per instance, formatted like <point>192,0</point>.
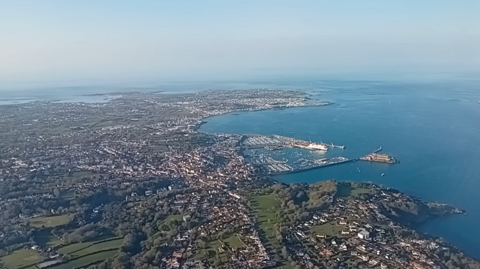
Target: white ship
<point>317,147</point>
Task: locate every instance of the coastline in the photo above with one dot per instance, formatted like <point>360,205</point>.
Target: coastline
<point>204,121</point>
<point>273,176</point>
<point>431,219</point>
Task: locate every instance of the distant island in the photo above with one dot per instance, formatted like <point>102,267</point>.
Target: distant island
<point>133,183</point>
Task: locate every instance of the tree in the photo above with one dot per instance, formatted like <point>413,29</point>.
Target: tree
<point>201,244</point>
<point>56,192</point>
<point>284,252</point>
<point>122,261</point>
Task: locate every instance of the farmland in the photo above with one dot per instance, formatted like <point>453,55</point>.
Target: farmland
<point>49,222</point>
<point>328,229</point>
<point>78,254</point>
<point>86,260</point>
<point>82,249</point>
<point>21,258</point>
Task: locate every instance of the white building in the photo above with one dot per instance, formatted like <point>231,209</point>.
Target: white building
<point>363,234</point>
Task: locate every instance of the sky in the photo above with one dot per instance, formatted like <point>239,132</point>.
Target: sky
<point>62,40</point>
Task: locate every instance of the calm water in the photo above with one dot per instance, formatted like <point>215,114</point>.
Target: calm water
<point>433,128</point>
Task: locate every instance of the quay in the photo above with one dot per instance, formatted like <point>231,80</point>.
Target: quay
<point>275,142</point>
<point>314,167</point>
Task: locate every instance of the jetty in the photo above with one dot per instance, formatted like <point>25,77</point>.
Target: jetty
<point>316,165</point>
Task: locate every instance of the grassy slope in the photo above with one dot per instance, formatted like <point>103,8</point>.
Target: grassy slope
<point>233,241</point>
<point>85,260</point>
<point>84,246</point>
<point>329,229</point>
<point>265,207</point>
<point>50,221</point>
<point>21,258</point>
<point>346,191</point>
<point>98,247</point>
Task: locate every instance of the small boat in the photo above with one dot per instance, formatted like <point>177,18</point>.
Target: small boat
<point>358,169</point>
<point>383,174</point>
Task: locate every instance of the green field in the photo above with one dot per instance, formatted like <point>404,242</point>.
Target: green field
<point>85,260</point>
<point>168,220</point>
<point>89,247</point>
<point>107,245</point>
<point>265,207</point>
<point>46,240</point>
<point>329,229</point>
<point>357,191</point>
<point>21,258</point>
<point>346,191</point>
<point>171,218</point>
<point>50,222</point>
<point>211,248</point>
<point>233,241</point>
<point>73,247</point>
<point>81,253</point>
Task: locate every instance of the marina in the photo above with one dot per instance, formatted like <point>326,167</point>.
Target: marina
<point>296,155</point>
<point>276,142</point>
<point>276,154</point>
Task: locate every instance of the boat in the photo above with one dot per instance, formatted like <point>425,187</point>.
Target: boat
<point>317,147</point>
<point>383,174</point>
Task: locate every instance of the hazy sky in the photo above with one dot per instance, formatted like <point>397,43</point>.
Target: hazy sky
<point>87,39</point>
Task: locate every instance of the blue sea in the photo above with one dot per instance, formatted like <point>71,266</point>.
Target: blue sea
<point>431,126</point>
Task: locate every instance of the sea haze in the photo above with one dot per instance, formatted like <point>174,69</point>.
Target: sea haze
<point>431,127</point>
<point>96,92</point>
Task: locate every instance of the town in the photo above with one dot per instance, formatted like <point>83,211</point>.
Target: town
<point>132,183</point>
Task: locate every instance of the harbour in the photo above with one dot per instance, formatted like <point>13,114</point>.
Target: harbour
<point>253,141</point>
<point>298,163</point>
<point>260,147</point>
